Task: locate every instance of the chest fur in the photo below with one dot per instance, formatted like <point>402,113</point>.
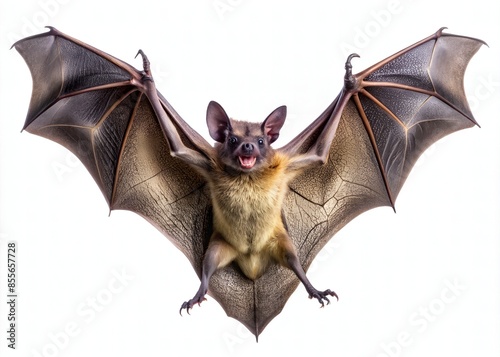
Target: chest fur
<point>247,207</point>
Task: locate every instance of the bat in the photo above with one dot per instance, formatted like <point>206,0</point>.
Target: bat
<point>249,217</point>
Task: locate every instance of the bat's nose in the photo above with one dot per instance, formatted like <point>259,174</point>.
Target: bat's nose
<point>247,148</point>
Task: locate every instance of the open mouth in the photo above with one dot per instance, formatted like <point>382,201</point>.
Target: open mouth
<point>247,162</point>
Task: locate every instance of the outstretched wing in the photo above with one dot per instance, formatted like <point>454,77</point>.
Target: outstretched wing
<point>94,105</point>
<point>386,116</point>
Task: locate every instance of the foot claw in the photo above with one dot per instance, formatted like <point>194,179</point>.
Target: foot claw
<point>322,296</point>
<point>188,305</point>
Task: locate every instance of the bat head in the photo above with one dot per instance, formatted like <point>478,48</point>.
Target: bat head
<point>243,146</point>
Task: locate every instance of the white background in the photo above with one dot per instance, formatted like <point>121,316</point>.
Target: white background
<point>393,272</point>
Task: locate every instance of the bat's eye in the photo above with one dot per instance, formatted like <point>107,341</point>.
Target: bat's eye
<point>232,140</point>
<point>260,142</point>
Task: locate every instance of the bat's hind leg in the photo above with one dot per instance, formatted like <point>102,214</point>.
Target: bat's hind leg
<point>322,296</point>
<point>286,254</point>
<point>219,254</point>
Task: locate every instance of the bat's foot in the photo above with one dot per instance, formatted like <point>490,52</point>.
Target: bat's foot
<point>188,305</point>
<point>322,296</point>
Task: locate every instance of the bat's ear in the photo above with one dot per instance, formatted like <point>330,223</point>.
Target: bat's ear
<point>217,121</point>
<point>273,123</point>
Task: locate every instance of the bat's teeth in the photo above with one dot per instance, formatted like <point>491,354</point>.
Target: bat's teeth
<point>247,162</point>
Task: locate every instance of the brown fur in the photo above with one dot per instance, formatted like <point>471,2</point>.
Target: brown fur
<point>247,213</point>
<point>248,182</point>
